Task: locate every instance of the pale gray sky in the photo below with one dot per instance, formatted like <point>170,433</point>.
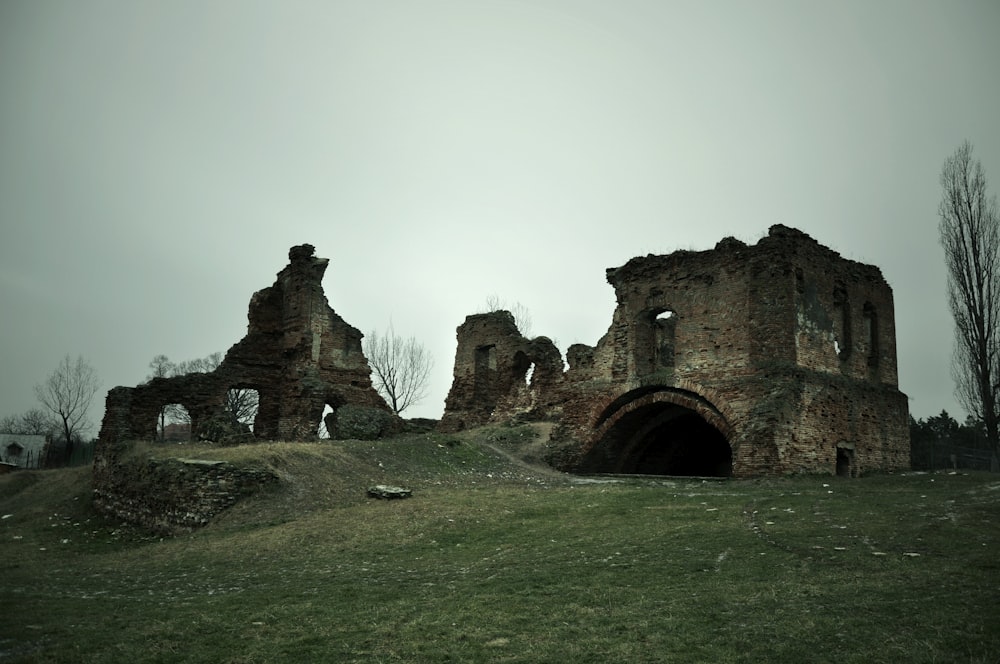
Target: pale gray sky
<point>158,159</point>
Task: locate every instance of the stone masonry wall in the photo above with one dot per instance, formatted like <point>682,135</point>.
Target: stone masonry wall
<point>499,372</point>
<point>298,354</point>
<point>171,496</point>
<point>784,347</point>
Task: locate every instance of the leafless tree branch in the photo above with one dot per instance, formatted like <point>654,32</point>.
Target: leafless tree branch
<point>970,236</point>
<point>67,394</point>
<point>522,317</point>
<point>400,368</point>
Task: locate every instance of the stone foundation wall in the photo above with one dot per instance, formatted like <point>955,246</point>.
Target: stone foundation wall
<point>171,496</point>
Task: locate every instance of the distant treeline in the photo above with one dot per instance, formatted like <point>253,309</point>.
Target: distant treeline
<point>940,442</point>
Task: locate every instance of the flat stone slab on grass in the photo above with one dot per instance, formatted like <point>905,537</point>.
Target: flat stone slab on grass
<point>386,492</point>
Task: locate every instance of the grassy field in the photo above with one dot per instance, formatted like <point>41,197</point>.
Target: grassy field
<point>494,561</point>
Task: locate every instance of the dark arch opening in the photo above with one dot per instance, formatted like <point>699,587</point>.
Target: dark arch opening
<point>661,439</point>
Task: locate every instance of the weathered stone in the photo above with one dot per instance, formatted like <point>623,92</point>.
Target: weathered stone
<point>386,492</point>
<point>742,360</point>
<point>352,422</point>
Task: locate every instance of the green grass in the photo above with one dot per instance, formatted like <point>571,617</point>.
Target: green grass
<point>494,561</point>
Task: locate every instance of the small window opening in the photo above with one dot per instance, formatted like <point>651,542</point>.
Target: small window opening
<point>841,323</point>
<point>14,450</point>
<point>871,333</point>
<point>665,326</point>
<point>529,373</point>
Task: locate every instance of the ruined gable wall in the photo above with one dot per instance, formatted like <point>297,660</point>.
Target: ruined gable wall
<point>299,354</point>
<point>703,347</point>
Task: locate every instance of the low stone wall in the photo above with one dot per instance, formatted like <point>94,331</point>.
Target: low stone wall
<point>171,496</point>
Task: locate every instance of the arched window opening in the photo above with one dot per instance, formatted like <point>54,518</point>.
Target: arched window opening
<point>173,425</point>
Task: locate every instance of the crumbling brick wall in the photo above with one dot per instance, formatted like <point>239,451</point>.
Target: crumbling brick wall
<point>298,354</point>
<point>500,373</point>
<point>784,349</point>
<point>171,496</point>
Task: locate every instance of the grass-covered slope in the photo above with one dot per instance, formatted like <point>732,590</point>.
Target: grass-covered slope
<point>492,560</point>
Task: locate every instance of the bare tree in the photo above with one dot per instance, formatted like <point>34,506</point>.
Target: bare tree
<point>161,367</point>
<point>242,403</point>
<point>522,317</point>
<point>67,394</point>
<point>970,235</point>
<point>401,367</point>
<point>206,364</point>
<point>33,422</point>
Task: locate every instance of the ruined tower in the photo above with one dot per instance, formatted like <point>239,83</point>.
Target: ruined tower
<point>774,358</point>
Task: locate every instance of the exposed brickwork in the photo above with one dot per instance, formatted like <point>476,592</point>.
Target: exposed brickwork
<point>784,348</point>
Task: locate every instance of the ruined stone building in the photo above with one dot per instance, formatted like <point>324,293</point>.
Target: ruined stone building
<point>774,358</point>
<point>298,354</point>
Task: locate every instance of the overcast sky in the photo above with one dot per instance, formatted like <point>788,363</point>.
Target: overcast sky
<point>158,159</point>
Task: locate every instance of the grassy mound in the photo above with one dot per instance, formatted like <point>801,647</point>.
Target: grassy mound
<point>495,560</point>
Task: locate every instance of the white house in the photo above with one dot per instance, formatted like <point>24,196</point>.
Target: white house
<point>23,450</point>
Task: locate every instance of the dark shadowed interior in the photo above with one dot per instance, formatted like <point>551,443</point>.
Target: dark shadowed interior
<point>661,439</point>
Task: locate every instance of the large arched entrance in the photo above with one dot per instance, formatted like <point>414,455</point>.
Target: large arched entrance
<point>664,432</point>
